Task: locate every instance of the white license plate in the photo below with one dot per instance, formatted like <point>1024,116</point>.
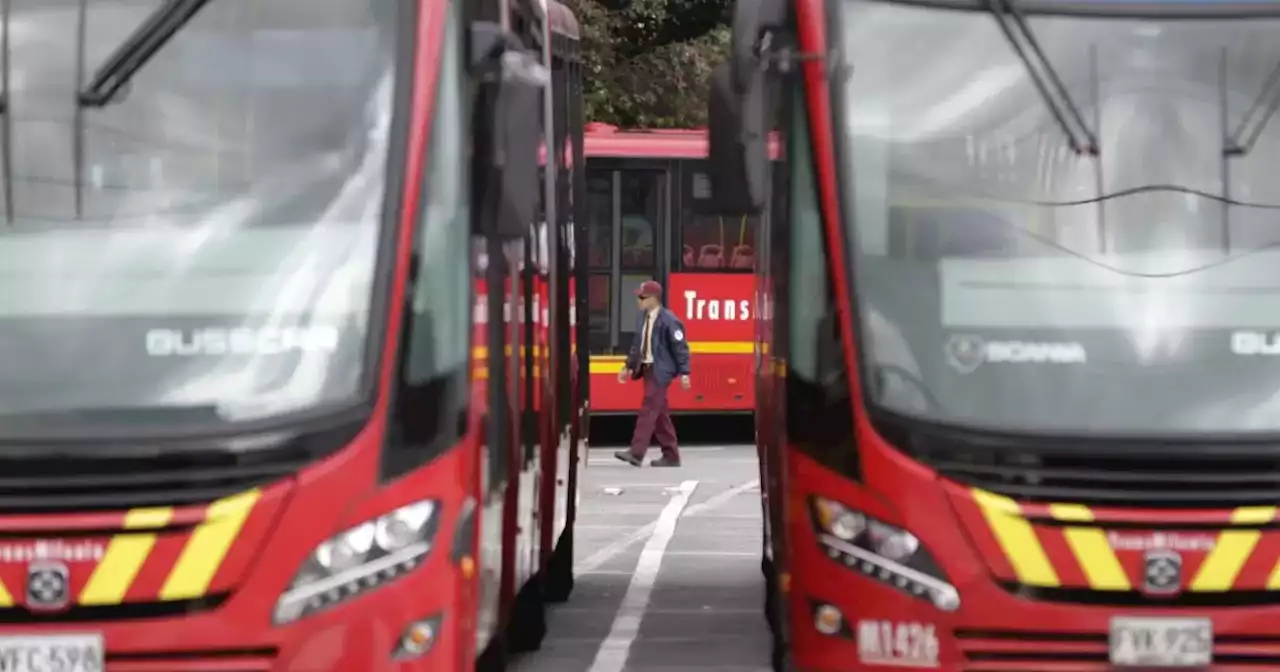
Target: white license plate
<point>1161,642</point>
<point>52,653</point>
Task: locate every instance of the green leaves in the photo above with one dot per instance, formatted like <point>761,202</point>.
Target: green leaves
<point>647,61</point>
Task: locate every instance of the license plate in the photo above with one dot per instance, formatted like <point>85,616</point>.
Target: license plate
<point>1161,642</point>
<point>52,653</point>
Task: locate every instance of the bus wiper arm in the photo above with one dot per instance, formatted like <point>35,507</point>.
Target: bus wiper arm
<point>138,49</point>
<point>1236,144</point>
<point>1042,74</point>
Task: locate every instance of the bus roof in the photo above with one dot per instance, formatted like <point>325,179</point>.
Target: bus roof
<point>607,141</point>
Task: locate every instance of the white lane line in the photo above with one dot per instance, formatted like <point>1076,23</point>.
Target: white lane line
<point>616,648</point>
<point>722,498</point>
<point>616,548</point>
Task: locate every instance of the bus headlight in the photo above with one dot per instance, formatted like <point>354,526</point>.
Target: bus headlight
<point>881,551</point>
<point>360,559</point>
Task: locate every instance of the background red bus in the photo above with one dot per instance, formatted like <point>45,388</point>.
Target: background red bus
<point>649,218</point>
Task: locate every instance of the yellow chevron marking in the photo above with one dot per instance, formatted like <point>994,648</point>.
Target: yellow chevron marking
<point>1092,550</point>
<point>1220,569</point>
<point>1273,581</point>
<point>1017,539</point>
<point>208,546</point>
<point>125,554</point>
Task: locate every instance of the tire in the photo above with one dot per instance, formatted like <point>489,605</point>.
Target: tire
<point>775,616</point>
<point>559,583</point>
<point>494,657</point>
<point>528,624</point>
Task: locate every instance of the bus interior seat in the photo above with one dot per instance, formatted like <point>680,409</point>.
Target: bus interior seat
<point>743,257</point>
<point>688,256</point>
<point>638,256</point>
<point>711,256</point>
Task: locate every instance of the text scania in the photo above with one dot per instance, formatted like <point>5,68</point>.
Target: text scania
<point>216,341</point>
<point>715,309</point>
<point>1019,352</point>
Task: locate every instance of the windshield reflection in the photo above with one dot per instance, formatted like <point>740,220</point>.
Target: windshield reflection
<point>205,243</point>
<point>1008,281</point>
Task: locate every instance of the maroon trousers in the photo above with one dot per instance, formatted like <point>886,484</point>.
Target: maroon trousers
<point>654,419</point>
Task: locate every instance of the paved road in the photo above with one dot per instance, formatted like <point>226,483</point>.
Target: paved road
<point>668,570</point>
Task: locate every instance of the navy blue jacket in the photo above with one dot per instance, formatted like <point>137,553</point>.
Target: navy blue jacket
<point>670,349</point>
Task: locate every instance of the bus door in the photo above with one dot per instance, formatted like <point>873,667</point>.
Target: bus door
<point>712,287</point>
<point>629,210</point>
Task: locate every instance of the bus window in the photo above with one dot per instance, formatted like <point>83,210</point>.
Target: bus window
<point>641,206</point>
<point>708,241</point>
<point>599,258</point>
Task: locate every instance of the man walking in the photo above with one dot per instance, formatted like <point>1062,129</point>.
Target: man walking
<point>658,355</point>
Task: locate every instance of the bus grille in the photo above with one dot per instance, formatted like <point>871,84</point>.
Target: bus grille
<point>1048,651</point>
<point>1118,480</point>
<point>200,660</point>
<point>110,482</point>
<point>1097,471</point>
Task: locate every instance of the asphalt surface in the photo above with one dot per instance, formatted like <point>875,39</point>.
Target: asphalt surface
<point>668,570</point>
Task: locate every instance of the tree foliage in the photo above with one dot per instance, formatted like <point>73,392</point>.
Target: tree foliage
<point>646,62</point>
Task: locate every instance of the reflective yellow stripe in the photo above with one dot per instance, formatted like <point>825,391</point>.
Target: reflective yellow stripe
<point>6,600</point>
<point>1273,581</point>
<point>208,546</point>
<point>1220,569</point>
<point>482,372</point>
<point>722,347</point>
<point>125,555</point>
<point>1017,539</point>
<point>1092,550</point>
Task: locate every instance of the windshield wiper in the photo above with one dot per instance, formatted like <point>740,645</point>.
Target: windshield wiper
<point>1059,102</point>
<point>131,56</point>
<point>1235,144</point>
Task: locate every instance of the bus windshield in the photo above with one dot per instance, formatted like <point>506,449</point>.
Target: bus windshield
<point>202,248</point>
<point>1007,278</point>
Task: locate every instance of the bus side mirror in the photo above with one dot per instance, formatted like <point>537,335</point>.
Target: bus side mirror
<point>517,132</point>
<point>739,147</point>
<point>740,107</point>
<point>513,118</point>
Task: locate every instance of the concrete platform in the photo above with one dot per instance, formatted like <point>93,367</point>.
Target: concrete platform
<point>668,570</point>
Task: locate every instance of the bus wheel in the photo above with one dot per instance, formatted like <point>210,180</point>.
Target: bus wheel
<point>528,618</point>
<point>560,569</point>
<point>770,594</point>
<point>775,615</point>
<point>494,657</point>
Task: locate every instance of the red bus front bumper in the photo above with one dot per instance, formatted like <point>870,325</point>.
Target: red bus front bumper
<point>167,617</point>
<point>363,634</point>
<point>993,631</point>
<point>845,613</point>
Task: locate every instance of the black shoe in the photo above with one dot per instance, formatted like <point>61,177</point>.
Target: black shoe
<point>626,456</point>
<point>665,461</point>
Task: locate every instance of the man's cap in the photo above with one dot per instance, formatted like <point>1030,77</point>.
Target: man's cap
<point>649,288</point>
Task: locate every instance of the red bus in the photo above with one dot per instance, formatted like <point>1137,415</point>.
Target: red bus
<point>1016,407</point>
<point>240,425</point>
<point>649,218</point>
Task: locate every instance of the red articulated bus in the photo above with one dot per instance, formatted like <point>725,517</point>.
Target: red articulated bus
<point>1016,409</point>
<point>241,427</point>
<point>650,217</point>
